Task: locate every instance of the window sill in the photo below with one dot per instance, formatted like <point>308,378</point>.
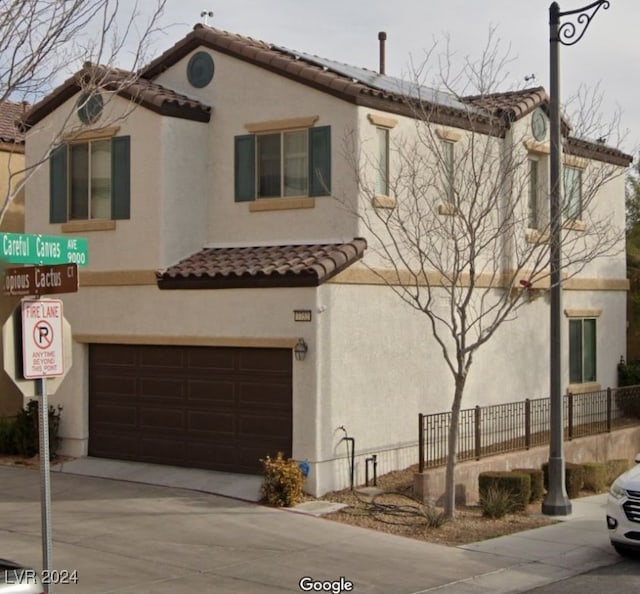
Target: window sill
<point>265,204</point>
<point>534,236</point>
<point>86,226</point>
<point>447,209</point>
<point>383,202</point>
<point>584,388</point>
<point>574,225</point>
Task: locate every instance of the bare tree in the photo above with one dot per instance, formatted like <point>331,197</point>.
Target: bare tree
<point>42,42</point>
<point>461,241</point>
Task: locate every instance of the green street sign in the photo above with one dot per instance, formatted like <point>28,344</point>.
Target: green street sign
<point>26,248</point>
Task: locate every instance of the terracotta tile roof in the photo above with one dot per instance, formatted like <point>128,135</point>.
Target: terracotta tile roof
<point>10,113</point>
<point>261,266</point>
<point>514,104</point>
<point>126,84</point>
<point>596,150</point>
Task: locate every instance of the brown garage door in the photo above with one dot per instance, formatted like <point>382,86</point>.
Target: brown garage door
<point>203,407</point>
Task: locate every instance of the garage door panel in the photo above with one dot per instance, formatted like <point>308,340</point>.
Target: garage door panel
<point>205,407</point>
<point>265,396</point>
<point>116,385</point>
<point>211,359</point>
<point>167,419</point>
<point>219,423</point>
<point>157,356</point>
<point>271,361</point>
<point>210,393</point>
<point>114,414</point>
<point>165,388</point>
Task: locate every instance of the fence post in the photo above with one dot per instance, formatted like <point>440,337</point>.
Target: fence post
<point>421,442</point>
<point>570,415</point>
<point>609,414</point>
<point>477,431</point>
<point>527,423</point>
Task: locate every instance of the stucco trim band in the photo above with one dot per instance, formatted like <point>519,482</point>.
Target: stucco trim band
<point>265,204</point>
<point>116,278</point>
<point>220,341</point>
<point>276,125</point>
<point>380,276</point>
<point>582,313</point>
<point>382,121</point>
<point>88,226</point>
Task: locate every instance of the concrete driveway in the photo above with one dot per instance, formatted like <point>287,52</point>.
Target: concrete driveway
<point>125,537</point>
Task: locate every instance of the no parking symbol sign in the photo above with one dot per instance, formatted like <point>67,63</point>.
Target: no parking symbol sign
<point>42,328</point>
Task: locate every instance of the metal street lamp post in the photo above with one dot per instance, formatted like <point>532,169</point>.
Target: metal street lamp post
<point>556,502</point>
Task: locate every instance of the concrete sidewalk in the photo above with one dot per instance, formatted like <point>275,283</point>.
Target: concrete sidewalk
<point>126,537</point>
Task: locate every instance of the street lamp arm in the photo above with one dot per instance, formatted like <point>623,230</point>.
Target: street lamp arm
<point>569,33</point>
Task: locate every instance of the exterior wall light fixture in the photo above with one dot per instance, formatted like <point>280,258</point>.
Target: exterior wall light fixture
<point>300,350</point>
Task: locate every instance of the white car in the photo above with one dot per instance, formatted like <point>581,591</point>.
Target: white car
<point>16,579</point>
<point>623,512</point>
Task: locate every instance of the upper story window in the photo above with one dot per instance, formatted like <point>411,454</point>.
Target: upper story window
<point>572,178</point>
<point>90,178</point>
<point>294,161</point>
<point>382,174</point>
<point>448,171</point>
<point>534,195</point>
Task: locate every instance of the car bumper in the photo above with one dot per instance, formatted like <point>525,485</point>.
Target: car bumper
<point>622,530</point>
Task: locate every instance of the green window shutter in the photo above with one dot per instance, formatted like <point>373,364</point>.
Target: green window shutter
<point>58,185</point>
<point>244,170</point>
<point>320,161</point>
<point>120,177</point>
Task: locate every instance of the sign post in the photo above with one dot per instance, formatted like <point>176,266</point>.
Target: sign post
<point>42,356</point>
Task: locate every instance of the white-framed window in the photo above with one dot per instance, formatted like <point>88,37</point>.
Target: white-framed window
<point>533,218</point>
<point>382,164</point>
<point>90,180</point>
<point>448,170</point>
<point>283,164</point>
<point>572,181</point>
<point>582,350</point>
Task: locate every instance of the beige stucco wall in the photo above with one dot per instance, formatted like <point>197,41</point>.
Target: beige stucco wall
<point>12,222</point>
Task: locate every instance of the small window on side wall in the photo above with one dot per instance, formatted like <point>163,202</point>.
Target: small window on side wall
<point>382,173</point>
<point>572,178</point>
<point>582,350</point>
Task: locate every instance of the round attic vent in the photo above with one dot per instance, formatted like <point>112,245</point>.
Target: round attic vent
<point>200,69</point>
<point>89,107</point>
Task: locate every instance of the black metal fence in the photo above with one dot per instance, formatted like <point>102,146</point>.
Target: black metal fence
<point>490,430</point>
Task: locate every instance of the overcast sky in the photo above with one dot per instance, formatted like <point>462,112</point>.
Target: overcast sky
<point>347,31</point>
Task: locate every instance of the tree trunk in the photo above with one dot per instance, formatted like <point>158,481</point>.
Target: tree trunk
<point>452,447</point>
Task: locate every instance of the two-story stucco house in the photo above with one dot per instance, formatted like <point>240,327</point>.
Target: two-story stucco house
<point>233,306</point>
<point>12,200</point>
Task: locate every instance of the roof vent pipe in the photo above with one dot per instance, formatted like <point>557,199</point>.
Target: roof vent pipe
<point>382,37</point>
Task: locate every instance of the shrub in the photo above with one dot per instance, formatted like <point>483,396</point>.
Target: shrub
<point>537,482</point>
<point>496,501</point>
<point>629,373</point>
<point>283,480</point>
<point>26,436</point>
<point>435,518</point>
<point>595,476</point>
<point>516,484</point>
<point>7,436</point>
<point>628,401</point>
<point>573,478</point>
<point>615,468</point>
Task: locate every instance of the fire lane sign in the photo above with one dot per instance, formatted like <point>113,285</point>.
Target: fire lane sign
<point>25,248</point>
<point>42,329</point>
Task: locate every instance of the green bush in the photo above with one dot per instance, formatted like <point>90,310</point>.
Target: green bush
<point>629,373</point>
<point>283,480</point>
<point>537,482</point>
<point>26,437</point>
<point>615,468</point>
<point>595,476</point>
<point>496,502</point>
<point>516,484</point>
<point>573,478</point>
<point>8,436</point>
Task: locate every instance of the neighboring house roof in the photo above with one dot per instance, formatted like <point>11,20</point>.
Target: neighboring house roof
<point>126,84</point>
<point>261,266</point>
<point>10,114</point>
